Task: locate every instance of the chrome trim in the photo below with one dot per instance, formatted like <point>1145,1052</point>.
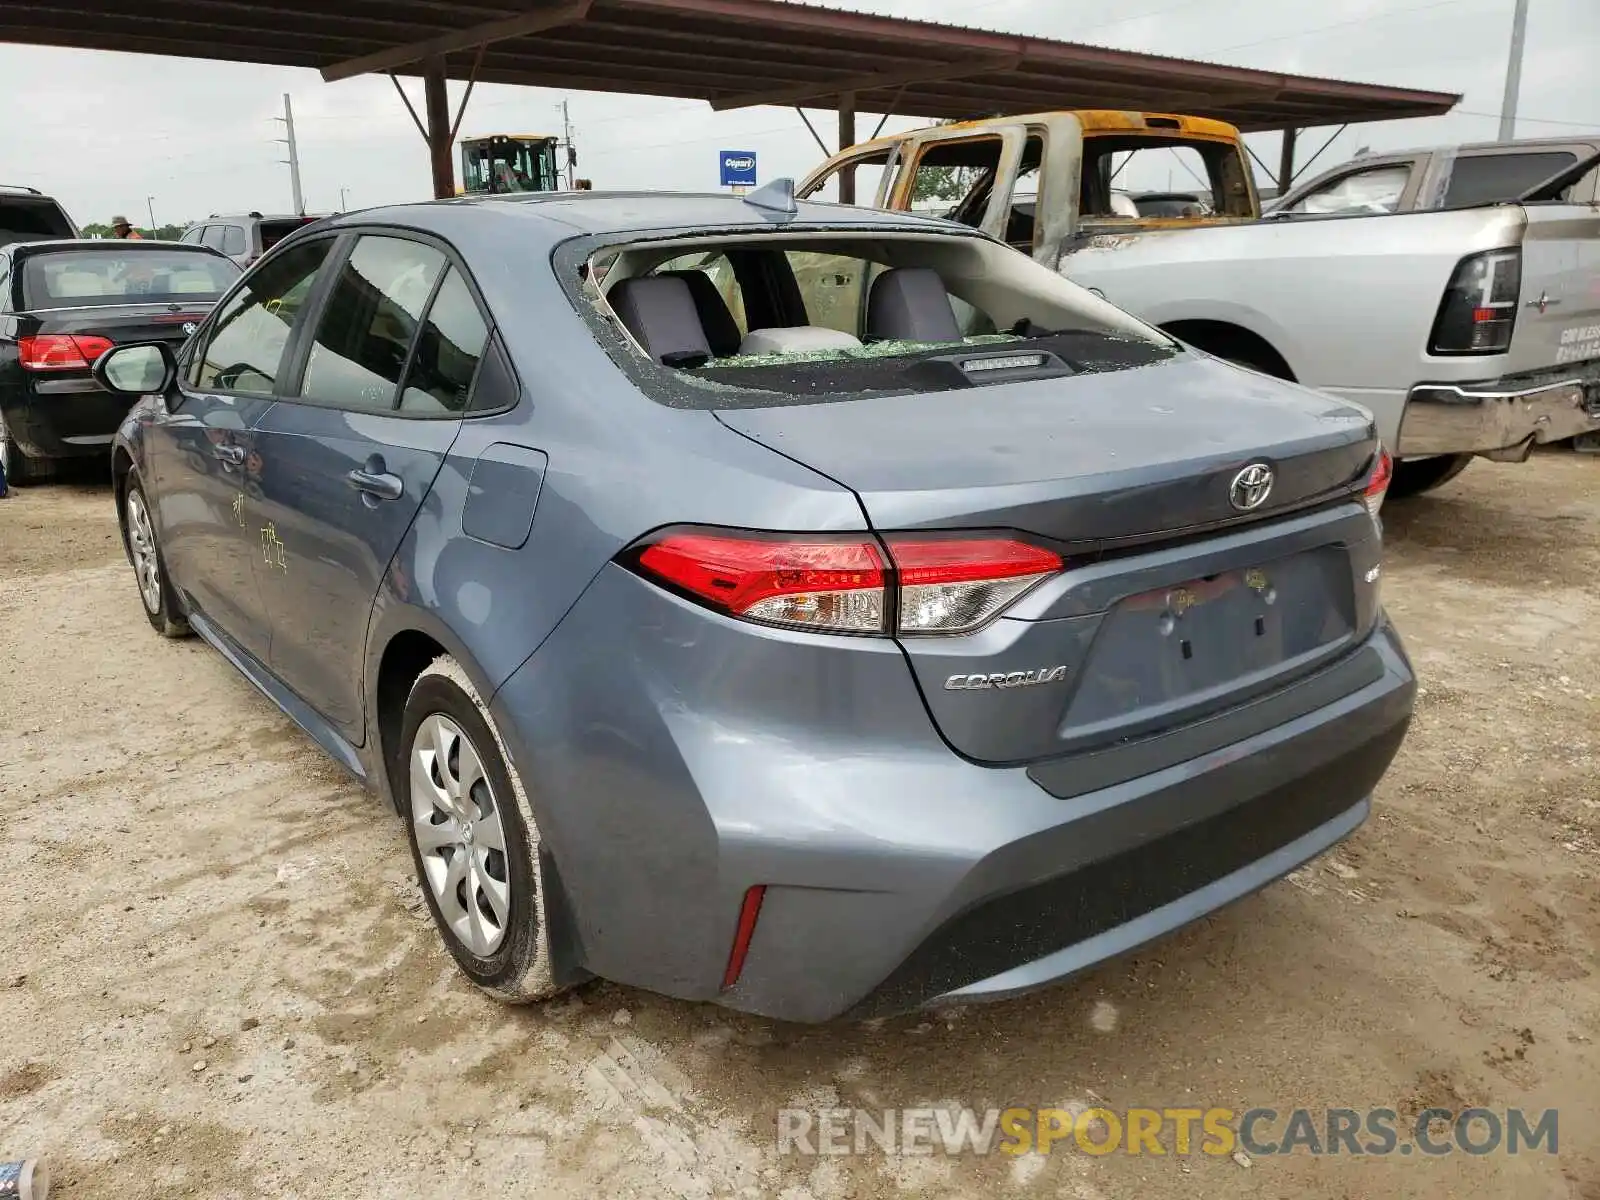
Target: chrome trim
<point>204,306</point>
<point>1451,418</point>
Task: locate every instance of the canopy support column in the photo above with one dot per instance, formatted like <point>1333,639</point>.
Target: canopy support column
<point>1286,161</point>
<point>847,138</point>
<point>436,102</point>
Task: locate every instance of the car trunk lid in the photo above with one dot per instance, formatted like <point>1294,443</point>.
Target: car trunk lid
<point>1174,602</point>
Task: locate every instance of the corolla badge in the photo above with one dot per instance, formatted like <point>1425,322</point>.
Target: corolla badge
<point>1004,679</point>
<point>1251,487</point>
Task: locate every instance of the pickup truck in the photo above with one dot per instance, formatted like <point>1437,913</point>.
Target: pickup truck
<point>1466,331</point>
<point>1442,177</point>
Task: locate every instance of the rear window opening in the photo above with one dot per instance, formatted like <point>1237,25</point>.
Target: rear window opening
<point>1205,179</point>
<point>784,317</point>
<point>32,220</point>
<point>85,277</point>
<point>273,232</point>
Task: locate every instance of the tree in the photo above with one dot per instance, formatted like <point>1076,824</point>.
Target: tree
<point>165,233</point>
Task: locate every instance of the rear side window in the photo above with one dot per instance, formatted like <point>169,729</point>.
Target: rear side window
<point>364,336</point>
<point>76,278</point>
<point>447,353</point>
<point>245,350</point>
<point>1491,178</point>
<point>32,220</point>
<point>232,239</point>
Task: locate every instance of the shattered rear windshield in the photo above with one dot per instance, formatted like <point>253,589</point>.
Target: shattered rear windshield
<point>792,317</point>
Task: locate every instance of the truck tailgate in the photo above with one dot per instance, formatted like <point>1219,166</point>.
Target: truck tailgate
<point>1559,317</point>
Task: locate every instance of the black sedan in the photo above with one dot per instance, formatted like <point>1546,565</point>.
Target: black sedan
<point>65,303</point>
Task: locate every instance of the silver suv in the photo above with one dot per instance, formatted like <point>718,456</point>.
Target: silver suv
<point>243,238</point>
<point>28,215</point>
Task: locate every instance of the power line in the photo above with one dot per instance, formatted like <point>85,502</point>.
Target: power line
<point>1592,125</point>
<point>1366,20</point>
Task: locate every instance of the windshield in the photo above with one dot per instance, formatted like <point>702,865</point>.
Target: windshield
<point>507,165</point>
<point>787,318</point>
<point>79,278</point>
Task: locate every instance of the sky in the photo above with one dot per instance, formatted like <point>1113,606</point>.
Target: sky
<point>119,133</point>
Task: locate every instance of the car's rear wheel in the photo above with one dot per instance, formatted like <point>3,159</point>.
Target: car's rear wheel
<point>149,571</point>
<point>17,466</point>
<point>473,837</point>
<point>1414,476</point>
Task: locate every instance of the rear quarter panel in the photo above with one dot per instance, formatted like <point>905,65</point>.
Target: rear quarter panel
<point>617,465</point>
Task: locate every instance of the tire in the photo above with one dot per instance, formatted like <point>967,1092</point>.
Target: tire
<point>19,468</point>
<point>1254,362</point>
<point>160,602</point>
<point>504,947</point>
<point>1414,476</point>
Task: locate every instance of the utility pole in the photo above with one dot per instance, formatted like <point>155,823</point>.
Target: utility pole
<point>294,155</point>
<point>1508,106</point>
<point>150,204</point>
<point>566,138</point>
<point>344,205</point>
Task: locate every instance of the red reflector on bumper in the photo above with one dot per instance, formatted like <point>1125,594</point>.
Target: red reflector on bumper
<point>748,912</point>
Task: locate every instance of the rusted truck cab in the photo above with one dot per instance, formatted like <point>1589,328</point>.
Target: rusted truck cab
<point>1047,181</point>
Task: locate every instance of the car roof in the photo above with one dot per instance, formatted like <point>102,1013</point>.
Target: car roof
<point>568,214</point>
<point>1520,145</point>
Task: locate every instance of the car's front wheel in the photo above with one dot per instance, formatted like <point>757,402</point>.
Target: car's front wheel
<point>149,571</point>
<point>474,838</point>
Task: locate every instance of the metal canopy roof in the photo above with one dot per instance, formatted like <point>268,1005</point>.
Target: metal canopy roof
<point>731,53</point>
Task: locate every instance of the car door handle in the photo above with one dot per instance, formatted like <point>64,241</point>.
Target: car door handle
<point>229,454</point>
<point>379,484</point>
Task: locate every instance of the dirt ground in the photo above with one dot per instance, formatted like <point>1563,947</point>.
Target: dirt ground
<point>217,978</point>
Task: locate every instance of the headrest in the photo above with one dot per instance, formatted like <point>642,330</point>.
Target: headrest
<point>659,311</point>
<point>910,304</point>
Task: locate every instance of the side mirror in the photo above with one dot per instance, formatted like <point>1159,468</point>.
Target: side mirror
<point>137,369</point>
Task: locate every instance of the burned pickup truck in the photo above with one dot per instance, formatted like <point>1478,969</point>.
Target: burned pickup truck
<point>1466,331</point>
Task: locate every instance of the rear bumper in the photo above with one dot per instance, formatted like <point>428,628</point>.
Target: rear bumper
<point>897,874</point>
<point>1508,415</point>
<point>65,418</point>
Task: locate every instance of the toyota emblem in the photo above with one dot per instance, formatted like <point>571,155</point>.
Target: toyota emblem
<point>1251,487</point>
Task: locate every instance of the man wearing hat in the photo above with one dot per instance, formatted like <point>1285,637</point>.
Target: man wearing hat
<point>121,229</point>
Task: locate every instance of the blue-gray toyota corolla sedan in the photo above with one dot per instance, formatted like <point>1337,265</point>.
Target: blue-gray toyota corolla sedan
<point>810,609</point>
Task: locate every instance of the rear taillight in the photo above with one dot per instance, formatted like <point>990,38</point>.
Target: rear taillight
<point>928,584</point>
<point>956,585</point>
<point>1378,482</point>
<point>1479,309</point>
<point>817,583</point>
<point>61,351</point>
